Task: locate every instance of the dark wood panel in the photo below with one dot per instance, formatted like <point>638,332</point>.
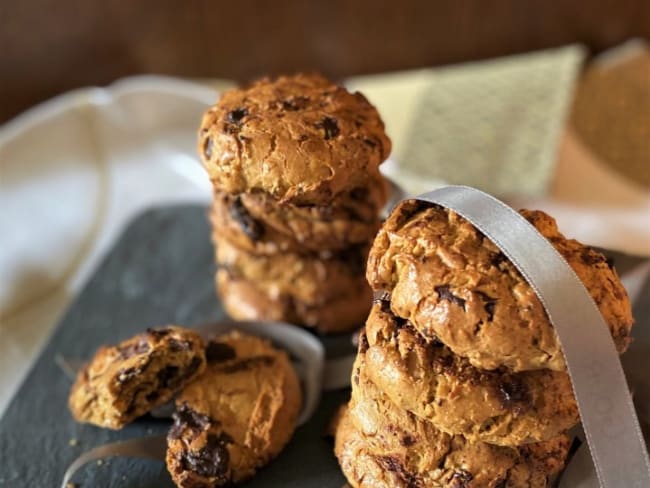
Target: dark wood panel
<point>51,46</point>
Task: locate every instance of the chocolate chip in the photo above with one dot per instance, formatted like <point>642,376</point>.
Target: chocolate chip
<point>170,376</point>
<point>248,363</point>
<point>408,440</point>
<point>444,293</point>
<point>400,322</point>
<point>210,461</point>
<point>195,363</point>
<point>393,464</point>
<point>251,227</point>
<point>295,103</point>
<point>498,258</point>
<point>208,145</point>
<point>500,483</point>
<point>382,298</point>
<point>591,257</point>
<point>330,127</point>
<point>134,348</point>
<point>489,309</point>
<point>218,352</point>
<point>127,374</point>
<point>176,346</point>
<point>187,418</point>
<point>610,262</point>
<point>489,304</point>
<point>167,375</point>
<point>460,479</point>
<point>514,395</point>
<point>234,120</point>
<point>236,116</point>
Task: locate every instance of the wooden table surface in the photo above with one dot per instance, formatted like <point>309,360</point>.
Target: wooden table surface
<point>50,46</point>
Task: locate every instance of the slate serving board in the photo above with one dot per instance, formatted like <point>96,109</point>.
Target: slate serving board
<point>160,271</point>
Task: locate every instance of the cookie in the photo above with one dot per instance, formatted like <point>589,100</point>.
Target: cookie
<point>305,279</point>
<point>454,285</point>
<point>495,406</point>
<point>243,300</point>
<point>126,381</point>
<point>257,223</point>
<point>236,417</point>
<point>299,138</point>
<point>380,445</point>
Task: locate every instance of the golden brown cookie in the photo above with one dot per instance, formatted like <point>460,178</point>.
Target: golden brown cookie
<point>243,300</point>
<point>306,279</point>
<point>299,138</point>
<point>455,286</point>
<point>258,223</point>
<point>126,381</point>
<point>496,406</point>
<point>236,417</point>
<point>381,445</point>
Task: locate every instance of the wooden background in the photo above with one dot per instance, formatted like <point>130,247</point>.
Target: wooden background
<point>50,46</point>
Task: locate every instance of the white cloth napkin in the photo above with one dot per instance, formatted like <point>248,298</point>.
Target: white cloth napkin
<point>73,172</point>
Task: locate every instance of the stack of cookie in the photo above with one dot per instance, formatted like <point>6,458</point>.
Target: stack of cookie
<point>297,198</point>
<point>237,399</point>
<point>459,378</point>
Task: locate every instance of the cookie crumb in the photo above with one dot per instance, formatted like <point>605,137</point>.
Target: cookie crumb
<point>73,442</point>
<point>100,462</point>
<point>71,485</point>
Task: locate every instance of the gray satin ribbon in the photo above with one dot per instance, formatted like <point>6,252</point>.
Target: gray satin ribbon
<point>606,408</point>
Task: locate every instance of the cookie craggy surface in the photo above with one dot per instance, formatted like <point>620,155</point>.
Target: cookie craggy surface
<point>259,224</point>
<point>301,139</point>
<point>307,279</point>
<point>245,300</point>
<point>380,445</point>
<point>455,286</point>
<point>427,379</point>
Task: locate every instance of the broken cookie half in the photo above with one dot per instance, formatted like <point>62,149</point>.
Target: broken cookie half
<point>123,382</point>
